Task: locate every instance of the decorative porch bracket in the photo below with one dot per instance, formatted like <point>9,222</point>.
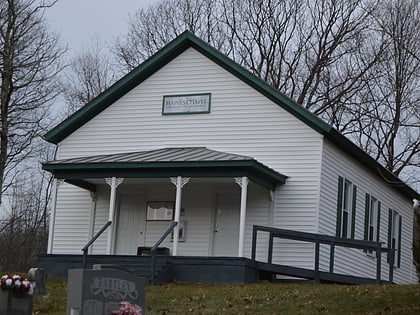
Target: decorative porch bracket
<point>243,182</point>
<point>114,183</point>
<point>179,182</point>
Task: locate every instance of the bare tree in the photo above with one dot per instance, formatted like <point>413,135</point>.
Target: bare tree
<point>29,64</point>
<point>353,63</point>
<point>152,28</point>
<point>317,52</point>
<point>391,132</point>
<point>92,72</point>
<point>24,221</point>
<point>264,36</point>
<point>89,73</point>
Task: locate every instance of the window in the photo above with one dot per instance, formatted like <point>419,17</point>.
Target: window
<point>394,235</point>
<point>346,208</point>
<point>372,218</point>
<point>160,210</point>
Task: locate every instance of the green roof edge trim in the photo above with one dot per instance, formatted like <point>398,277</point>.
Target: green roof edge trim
<point>117,90</point>
<point>157,61</point>
<point>370,163</point>
<point>174,49</point>
<point>256,171</point>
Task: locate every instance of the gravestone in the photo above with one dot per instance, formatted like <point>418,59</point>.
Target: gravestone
<point>38,276</point>
<point>98,291</point>
<point>14,302</point>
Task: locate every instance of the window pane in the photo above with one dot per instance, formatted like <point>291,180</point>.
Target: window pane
<point>345,225</point>
<point>346,214</point>
<point>371,233</point>
<point>394,225</point>
<point>346,195</point>
<point>372,219</point>
<point>395,232</point>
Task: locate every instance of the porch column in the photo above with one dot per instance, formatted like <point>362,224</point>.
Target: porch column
<point>114,183</point>
<point>243,182</point>
<point>56,183</point>
<point>179,182</point>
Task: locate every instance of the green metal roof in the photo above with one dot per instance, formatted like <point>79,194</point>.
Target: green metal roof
<point>191,162</point>
<point>188,40</point>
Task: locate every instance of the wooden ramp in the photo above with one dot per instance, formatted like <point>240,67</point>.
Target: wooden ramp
<point>164,268</point>
<point>269,271</point>
<point>195,269</point>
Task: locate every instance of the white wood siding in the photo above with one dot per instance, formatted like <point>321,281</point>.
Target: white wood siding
<point>71,220</point>
<point>241,121</point>
<point>198,205</point>
<point>355,262</point>
<point>101,217</point>
<point>258,213</point>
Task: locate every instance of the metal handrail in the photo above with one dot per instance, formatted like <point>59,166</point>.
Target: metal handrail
<point>318,239</point>
<point>93,239</point>
<point>154,248</point>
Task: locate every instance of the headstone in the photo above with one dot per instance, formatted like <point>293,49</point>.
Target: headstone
<point>98,292</point>
<point>18,302</point>
<point>15,304</point>
<point>39,277</point>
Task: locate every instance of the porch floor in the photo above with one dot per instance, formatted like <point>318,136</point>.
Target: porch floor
<point>192,269</point>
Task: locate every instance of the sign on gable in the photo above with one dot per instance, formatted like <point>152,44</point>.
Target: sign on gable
<point>186,104</point>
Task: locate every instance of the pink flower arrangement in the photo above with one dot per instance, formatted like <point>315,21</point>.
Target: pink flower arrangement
<point>126,308</point>
<point>16,283</point>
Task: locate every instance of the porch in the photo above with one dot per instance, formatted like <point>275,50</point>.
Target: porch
<point>235,270</point>
<point>157,269</point>
<point>207,192</point>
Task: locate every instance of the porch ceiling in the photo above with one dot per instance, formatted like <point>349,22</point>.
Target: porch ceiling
<point>161,163</point>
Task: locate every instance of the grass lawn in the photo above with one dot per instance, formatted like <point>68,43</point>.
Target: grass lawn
<point>260,298</point>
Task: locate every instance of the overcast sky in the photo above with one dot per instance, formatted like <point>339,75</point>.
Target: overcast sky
<point>78,21</point>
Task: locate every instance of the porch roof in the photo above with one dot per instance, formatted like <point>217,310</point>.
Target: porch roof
<point>167,162</point>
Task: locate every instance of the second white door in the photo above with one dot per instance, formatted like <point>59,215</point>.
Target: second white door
<point>131,225</point>
<point>226,225</point>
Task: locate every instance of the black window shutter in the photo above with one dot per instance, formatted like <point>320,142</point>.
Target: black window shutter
<point>399,242</point>
<point>353,212</point>
<point>389,233</point>
<point>378,222</point>
<point>339,205</point>
<point>367,206</point>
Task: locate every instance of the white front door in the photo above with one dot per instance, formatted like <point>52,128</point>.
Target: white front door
<point>226,225</point>
<point>131,225</point>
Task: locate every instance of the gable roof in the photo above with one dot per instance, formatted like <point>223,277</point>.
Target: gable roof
<point>167,162</point>
<point>157,61</point>
<point>188,40</point>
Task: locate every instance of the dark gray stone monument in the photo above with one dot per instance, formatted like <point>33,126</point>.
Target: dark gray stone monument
<point>12,304</point>
<point>98,291</point>
<point>39,277</point>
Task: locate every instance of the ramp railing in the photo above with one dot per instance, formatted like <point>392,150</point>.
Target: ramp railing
<point>155,247</point>
<point>332,241</point>
<point>93,239</point>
